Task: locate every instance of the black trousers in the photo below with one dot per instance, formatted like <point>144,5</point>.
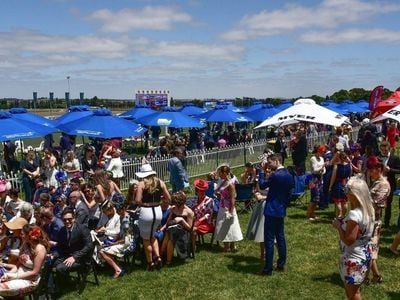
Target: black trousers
<point>388,209</point>
<point>62,270</point>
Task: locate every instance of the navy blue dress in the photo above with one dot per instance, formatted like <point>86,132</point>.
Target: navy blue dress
<point>342,175</point>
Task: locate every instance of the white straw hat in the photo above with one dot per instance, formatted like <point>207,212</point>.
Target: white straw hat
<point>145,170</point>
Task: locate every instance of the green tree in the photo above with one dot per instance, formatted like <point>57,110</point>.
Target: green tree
<point>341,95</point>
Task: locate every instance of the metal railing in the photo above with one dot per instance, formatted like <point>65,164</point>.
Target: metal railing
<point>200,163</point>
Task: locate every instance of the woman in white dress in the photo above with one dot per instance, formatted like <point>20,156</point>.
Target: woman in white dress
<point>25,275</point>
<point>115,166</point>
<point>71,165</point>
<point>49,169</point>
<point>227,228</point>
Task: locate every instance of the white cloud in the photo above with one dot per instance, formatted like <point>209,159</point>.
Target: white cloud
<point>27,41</point>
<point>352,36</point>
<point>149,17</point>
<point>328,14</point>
<point>196,51</point>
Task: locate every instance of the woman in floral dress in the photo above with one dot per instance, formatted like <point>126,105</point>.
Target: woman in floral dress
<point>355,232</point>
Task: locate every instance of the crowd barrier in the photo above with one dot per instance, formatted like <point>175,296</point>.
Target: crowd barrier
<point>199,163</point>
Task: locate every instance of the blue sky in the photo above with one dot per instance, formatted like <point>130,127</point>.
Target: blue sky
<point>197,48</point>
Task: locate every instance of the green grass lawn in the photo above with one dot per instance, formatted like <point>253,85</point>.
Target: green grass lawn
<point>312,269</point>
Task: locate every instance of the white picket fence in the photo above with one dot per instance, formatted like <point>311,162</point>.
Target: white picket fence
<point>200,163</point>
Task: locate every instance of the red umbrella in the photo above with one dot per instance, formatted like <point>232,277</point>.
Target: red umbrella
<point>385,105</point>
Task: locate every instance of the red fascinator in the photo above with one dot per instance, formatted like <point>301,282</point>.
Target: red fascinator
<point>35,234</point>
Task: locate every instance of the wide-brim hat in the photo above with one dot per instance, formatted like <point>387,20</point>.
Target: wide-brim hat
<point>145,171</point>
<point>201,184</point>
<point>16,224</point>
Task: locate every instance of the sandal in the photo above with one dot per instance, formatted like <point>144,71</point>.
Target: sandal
<point>367,281</point>
<point>119,274</point>
<point>377,279</point>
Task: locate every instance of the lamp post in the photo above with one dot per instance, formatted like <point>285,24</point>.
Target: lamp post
<point>69,94</point>
<point>68,77</point>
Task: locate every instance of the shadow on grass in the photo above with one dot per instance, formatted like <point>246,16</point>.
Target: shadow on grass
<point>244,264</point>
<point>333,278</point>
<point>385,252</point>
<point>393,295</point>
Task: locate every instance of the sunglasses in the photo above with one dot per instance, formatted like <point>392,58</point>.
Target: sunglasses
<point>67,219</point>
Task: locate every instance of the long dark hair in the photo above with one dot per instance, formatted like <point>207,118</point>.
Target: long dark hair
<point>35,235</point>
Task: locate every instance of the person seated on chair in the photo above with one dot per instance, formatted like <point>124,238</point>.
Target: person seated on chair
<point>75,247</point>
<point>11,207</point>
<point>24,276</point>
<point>81,211</point>
<point>249,175</point>
<point>51,225</point>
<point>179,228</point>
<point>165,209</point>
<point>203,209</point>
<point>122,244</point>
<point>109,233</point>
<point>11,239</point>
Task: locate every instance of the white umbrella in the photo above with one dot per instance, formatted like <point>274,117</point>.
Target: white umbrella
<point>305,110</point>
<point>393,113</point>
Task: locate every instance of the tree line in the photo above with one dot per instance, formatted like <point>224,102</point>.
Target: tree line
<point>354,94</point>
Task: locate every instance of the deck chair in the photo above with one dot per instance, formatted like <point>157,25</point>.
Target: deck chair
<point>299,189</point>
<point>244,196</point>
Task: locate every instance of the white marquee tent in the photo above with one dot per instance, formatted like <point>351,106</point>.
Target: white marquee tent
<point>305,110</point>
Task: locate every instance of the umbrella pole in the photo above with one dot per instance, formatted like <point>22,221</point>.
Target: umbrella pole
<point>22,150</point>
<point>83,140</point>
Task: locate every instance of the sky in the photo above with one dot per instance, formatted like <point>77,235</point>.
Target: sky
<point>197,48</point>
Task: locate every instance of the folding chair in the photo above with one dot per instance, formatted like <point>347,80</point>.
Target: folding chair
<point>42,288</point>
<point>299,189</point>
<point>244,195</point>
<point>200,237</point>
<point>84,273</point>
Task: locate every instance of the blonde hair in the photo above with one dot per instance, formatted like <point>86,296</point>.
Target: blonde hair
<point>151,183</point>
<point>359,189</point>
<point>99,177</point>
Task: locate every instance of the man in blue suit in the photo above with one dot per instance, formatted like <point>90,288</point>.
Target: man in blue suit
<point>280,185</point>
<point>177,173</point>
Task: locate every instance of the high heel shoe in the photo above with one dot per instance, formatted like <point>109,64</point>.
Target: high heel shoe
<point>157,262</point>
<point>377,279</point>
<point>150,267</point>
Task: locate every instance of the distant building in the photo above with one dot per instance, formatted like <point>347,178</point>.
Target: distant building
<point>153,98</point>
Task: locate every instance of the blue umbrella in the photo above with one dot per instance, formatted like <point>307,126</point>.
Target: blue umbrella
<point>255,106</point>
<point>357,108</point>
<point>74,113</point>
<point>12,128</point>
<point>190,109</point>
<point>139,111</point>
<point>170,117</point>
<point>261,114</point>
<point>232,107</point>
<point>102,124</point>
<point>22,114</point>
<point>335,107</point>
<point>222,114</point>
<point>363,105</point>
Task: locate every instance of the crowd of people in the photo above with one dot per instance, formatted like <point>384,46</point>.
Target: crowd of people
<point>74,211</point>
